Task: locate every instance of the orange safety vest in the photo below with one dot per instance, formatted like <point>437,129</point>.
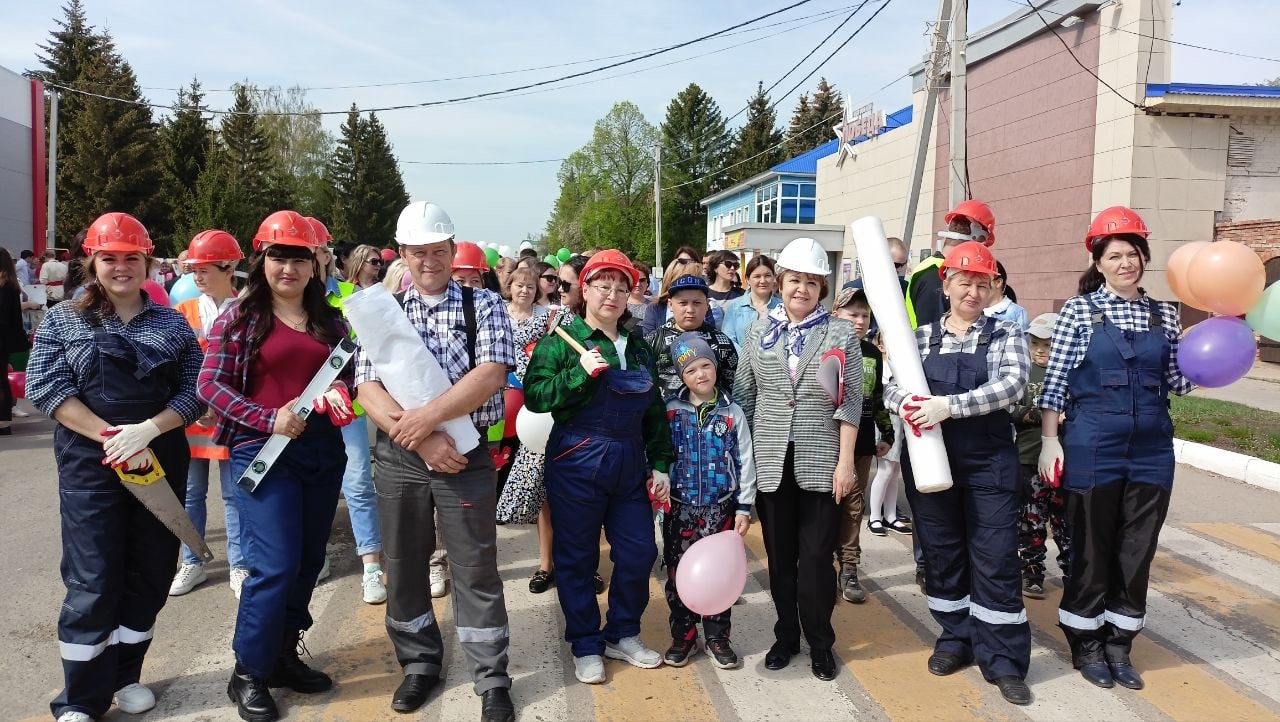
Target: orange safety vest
<point>199,436</point>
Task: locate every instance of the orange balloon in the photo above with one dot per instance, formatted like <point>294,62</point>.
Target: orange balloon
<point>1228,277</point>
<point>1176,271</point>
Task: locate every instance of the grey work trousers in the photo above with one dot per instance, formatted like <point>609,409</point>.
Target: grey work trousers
<point>411,500</point>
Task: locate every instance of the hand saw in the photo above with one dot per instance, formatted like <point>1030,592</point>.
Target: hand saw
<point>160,500</point>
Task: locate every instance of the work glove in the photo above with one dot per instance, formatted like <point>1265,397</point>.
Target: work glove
<point>593,363</point>
<point>139,461</point>
<point>907,410</point>
<point>336,404</point>
<point>660,487</point>
<point>127,440</point>
<point>930,411</point>
<point>1052,458</point>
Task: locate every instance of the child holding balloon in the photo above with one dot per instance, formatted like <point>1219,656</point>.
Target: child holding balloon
<point>713,485</point>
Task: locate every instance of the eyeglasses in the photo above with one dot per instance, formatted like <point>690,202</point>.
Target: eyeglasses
<point>550,277</point>
<point>732,265</point>
<point>565,286</point>
<point>900,265</point>
<point>374,261</point>
<point>610,291</point>
<point>683,261</point>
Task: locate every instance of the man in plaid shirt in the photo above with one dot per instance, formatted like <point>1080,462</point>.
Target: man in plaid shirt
<point>422,479</point>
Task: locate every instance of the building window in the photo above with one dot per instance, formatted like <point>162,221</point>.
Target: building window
<point>767,204</point>
<point>796,204</point>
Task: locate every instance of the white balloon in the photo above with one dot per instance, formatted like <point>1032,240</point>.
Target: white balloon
<point>526,244</point>
<point>505,251</point>
<point>533,429</point>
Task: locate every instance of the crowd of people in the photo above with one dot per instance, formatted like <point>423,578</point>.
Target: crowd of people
<point>702,395</point>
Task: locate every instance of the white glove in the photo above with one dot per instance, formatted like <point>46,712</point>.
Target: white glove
<point>127,440</point>
<point>661,486</point>
<point>1052,460</point>
<point>931,411</point>
<point>593,363</point>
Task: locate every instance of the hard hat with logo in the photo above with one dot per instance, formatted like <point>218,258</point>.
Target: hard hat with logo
<point>971,257</point>
<point>118,232</point>
<point>213,246</point>
<point>982,222</point>
<point>1115,221</point>
<point>609,259</point>
<point>285,228</point>
<point>323,236</point>
<point>804,255</point>
<point>421,223</point>
<point>469,257</point>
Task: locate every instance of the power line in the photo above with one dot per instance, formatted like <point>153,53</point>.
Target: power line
<point>450,101</point>
<point>482,162</point>
<point>1085,68</point>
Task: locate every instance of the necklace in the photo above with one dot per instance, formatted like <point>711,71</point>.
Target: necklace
<point>951,325</point>
<point>295,325</point>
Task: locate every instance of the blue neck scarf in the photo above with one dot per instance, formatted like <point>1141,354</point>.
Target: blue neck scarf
<point>796,330</point>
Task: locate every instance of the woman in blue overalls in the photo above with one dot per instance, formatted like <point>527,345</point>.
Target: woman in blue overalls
<point>263,352</point>
<point>977,368</point>
<point>610,430</point>
<point>1113,363</point>
<point>118,373</point>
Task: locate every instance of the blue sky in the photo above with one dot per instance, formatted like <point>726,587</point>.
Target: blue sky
<point>325,43</point>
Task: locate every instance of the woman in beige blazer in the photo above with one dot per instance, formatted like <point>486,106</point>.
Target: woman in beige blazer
<point>803,439</point>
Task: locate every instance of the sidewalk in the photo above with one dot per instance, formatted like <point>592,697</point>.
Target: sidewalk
<point>1259,389</point>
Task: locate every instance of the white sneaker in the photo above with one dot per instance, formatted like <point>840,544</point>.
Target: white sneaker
<point>189,577</point>
<point>324,571</point>
<point>589,669</point>
<point>375,592</point>
<point>238,577</point>
<point>73,716</point>
<point>633,651</point>
<point>18,412</point>
<point>135,698</point>
<point>438,582</point>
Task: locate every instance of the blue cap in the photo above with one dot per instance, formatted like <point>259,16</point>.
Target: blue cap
<point>689,283</point>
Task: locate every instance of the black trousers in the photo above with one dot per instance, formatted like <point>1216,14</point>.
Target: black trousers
<point>800,529</point>
<point>6,396</point>
<point>1114,531</point>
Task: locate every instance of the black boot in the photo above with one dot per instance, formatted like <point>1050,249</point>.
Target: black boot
<point>252,697</point>
<point>291,672</point>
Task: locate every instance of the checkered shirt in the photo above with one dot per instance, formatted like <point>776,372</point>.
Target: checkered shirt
<point>443,330</point>
<point>1074,331</point>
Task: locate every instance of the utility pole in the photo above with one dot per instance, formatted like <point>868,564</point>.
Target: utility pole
<point>932,80</point>
<point>959,180</point>
<point>51,233</point>
<point>657,206</point>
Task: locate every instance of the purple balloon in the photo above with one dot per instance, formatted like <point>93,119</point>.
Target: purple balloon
<point>1217,351</point>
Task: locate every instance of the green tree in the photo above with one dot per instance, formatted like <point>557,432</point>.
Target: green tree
<point>758,146</point>
<point>695,147</point>
<point>185,141</point>
<point>811,123</point>
<point>340,177</point>
<point>300,146</point>
<point>366,190</point>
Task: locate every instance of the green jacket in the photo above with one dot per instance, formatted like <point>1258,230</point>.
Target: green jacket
<point>1026,418</point>
<point>557,383</point>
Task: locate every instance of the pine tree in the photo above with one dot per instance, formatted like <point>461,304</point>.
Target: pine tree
<point>812,121</point>
<point>247,151</point>
<point>800,121</point>
<point>758,146</point>
<point>695,146</point>
<point>384,193</point>
<point>72,48</point>
<point>185,139</point>
<point>341,177</point>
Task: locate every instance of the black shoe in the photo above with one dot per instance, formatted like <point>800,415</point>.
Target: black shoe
<point>1098,674</point>
<point>412,692</point>
<point>823,664</point>
<point>877,527</point>
<point>850,589</point>
<point>496,706</point>
<point>1032,589</point>
<point>1014,690</point>
<point>722,655</point>
<point>599,580</point>
<point>293,673</point>
<point>900,526</point>
<point>779,655</point>
<point>680,651</point>
<point>944,663</point>
<point>920,578</point>
<point>541,581</point>
<point>1125,675</point>
<point>251,697</point>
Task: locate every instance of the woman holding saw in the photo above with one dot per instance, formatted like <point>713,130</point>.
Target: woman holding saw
<point>117,371</point>
<point>262,353</point>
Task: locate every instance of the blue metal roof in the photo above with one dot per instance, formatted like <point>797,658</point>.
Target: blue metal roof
<point>808,162</point>
<point>1157,90</point>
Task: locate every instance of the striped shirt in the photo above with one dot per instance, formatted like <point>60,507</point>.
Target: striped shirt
<point>1074,331</point>
<point>64,354</point>
<point>1008,366</point>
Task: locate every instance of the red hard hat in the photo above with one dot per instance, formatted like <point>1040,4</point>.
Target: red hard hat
<point>119,232</point>
<point>388,255</point>
<point>972,257</point>
<point>1115,221</point>
<point>609,259</point>
<point>286,228</point>
<point>468,256</point>
<point>213,246</point>
<point>978,211</point>
<point>323,236</point>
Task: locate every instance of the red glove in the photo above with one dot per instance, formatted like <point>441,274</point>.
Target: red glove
<point>336,404</point>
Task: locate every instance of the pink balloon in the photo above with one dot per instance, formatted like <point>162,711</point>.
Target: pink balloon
<point>713,573</point>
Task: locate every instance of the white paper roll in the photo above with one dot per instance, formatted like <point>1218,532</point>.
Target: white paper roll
<point>884,293</point>
<point>405,367</point>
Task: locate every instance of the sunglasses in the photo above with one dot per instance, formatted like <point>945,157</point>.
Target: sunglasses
<point>900,265</point>
<point>550,277</point>
<point>732,266</point>
<point>375,261</point>
<point>565,286</point>
<point>683,261</point>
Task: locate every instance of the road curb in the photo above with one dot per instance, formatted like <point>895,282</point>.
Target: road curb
<point>1231,464</point>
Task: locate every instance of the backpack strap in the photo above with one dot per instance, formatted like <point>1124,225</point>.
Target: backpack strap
<point>469,322</point>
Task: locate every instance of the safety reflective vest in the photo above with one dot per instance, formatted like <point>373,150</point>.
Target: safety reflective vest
<point>200,436</point>
<point>928,265</point>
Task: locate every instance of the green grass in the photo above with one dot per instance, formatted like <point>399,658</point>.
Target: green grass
<point>1228,425</point>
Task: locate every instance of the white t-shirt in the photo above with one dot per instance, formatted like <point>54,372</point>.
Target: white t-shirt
<point>620,344</point>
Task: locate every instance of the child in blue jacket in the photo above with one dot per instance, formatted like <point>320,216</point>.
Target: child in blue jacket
<point>713,485</point>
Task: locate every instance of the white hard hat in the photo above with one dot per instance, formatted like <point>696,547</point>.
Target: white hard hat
<point>804,255</point>
<point>421,223</point>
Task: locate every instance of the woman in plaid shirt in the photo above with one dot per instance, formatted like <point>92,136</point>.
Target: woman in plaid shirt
<point>977,368</point>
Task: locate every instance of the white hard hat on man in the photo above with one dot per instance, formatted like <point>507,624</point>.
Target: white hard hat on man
<point>422,223</point>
